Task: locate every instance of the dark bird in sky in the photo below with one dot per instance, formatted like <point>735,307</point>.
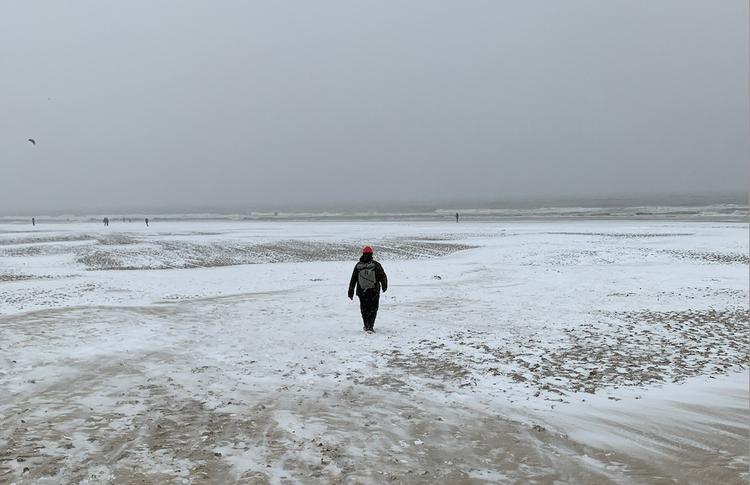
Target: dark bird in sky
<point>32,141</point>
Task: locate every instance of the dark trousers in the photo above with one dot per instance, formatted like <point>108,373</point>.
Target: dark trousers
<point>368,305</point>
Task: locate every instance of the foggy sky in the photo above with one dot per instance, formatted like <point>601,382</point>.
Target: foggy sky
<point>244,104</point>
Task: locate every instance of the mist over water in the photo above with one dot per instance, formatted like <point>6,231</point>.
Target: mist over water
<point>699,203</point>
<point>567,209</point>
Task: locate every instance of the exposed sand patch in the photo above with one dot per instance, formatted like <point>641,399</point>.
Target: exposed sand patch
<point>710,256</point>
<point>631,349</point>
<point>182,254</point>
<point>624,235</point>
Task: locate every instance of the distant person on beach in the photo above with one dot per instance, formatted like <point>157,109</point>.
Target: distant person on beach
<point>369,278</point>
<point>456,216</point>
<point>33,221</point>
<point>106,221</point>
<point>147,222</point>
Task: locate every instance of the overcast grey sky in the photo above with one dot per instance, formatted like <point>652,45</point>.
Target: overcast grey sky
<point>207,104</point>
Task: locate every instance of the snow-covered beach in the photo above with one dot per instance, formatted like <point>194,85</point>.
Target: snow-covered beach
<point>592,351</point>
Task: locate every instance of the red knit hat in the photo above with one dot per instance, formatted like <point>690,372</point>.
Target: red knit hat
<point>367,250</point>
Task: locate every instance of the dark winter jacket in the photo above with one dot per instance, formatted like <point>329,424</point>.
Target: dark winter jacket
<point>382,279</point>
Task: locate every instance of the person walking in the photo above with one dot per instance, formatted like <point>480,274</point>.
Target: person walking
<point>369,279</point>
<point>147,222</point>
<point>33,221</point>
<point>456,216</point>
